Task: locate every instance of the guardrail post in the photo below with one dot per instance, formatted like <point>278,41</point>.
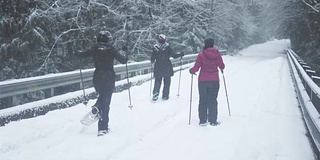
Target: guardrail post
<point>8,101</point>
<point>300,60</point>
<point>316,79</point>
<point>305,67</point>
<point>14,101</point>
<point>303,63</point>
<point>118,77</point>
<point>49,92</point>
<point>78,86</point>
<point>145,71</point>
<point>310,72</point>
<point>81,85</point>
<point>132,74</point>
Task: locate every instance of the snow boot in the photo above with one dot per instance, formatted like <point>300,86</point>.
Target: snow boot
<point>94,112</point>
<point>203,124</point>
<point>165,98</point>
<point>214,123</point>
<point>102,132</point>
<point>155,97</point>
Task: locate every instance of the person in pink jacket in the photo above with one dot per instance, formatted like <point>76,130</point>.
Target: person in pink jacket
<point>208,62</point>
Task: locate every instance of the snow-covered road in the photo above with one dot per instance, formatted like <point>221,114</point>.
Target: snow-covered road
<point>265,121</point>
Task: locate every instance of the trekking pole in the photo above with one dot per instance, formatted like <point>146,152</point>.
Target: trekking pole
<point>190,98</point>
<point>127,54</point>
<point>85,102</point>
<point>225,88</point>
<point>129,85</point>
<point>151,70</point>
<point>179,77</point>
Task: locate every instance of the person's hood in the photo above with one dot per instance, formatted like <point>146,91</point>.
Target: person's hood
<point>211,53</point>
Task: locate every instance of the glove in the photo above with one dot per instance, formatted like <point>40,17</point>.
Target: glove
<point>221,71</point>
<point>181,54</point>
<point>125,48</point>
<point>85,102</point>
<point>190,71</point>
<point>78,53</point>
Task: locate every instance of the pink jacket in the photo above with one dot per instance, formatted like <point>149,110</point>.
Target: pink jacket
<point>208,60</point>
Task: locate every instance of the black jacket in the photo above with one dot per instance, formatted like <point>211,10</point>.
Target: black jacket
<point>161,56</point>
<point>103,55</point>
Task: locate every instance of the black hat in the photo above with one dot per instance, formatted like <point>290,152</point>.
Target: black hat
<point>104,36</point>
<point>209,43</point>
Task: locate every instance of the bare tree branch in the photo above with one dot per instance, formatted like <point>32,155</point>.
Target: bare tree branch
<point>313,8</point>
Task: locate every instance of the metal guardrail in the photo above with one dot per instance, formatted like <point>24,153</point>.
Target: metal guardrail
<point>308,96</point>
<point>11,88</point>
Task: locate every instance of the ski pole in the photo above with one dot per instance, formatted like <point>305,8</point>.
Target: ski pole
<point>126,50</point>
<point>130,105</point>
<point>190,98</point>
<point>179,77</point>
<point>151,70</point>
<point>85,102</point>
<point>225,88</point>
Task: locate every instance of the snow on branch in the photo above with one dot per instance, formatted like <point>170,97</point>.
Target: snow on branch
<point>55,4</point>
<point>108,8</point>
<point>38,34</point>
<point>57,39</point>
<point>77,18</point>
<point>312,7</point>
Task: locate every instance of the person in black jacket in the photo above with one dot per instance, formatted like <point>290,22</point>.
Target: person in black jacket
<point>163,69</point>
<point>103,54</point>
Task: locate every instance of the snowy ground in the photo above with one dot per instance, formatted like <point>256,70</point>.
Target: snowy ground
<point>265,121</point>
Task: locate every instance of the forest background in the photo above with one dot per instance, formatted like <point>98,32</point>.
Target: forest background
<point>39,37</point>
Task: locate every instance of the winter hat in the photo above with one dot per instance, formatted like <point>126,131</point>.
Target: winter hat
<point>162,38</point>
<point>208,43</point>
<point>104,36</point>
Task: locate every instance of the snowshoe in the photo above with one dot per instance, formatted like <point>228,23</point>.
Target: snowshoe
<point>91,117</point>
<point>155,97</point>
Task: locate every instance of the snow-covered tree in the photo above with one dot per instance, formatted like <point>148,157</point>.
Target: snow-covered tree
<point>48,33</point>
<point>297,20</point>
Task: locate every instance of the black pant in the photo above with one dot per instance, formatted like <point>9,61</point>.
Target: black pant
<point>104,83</point>
<point>208,92</point>
<point>166,85</point>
